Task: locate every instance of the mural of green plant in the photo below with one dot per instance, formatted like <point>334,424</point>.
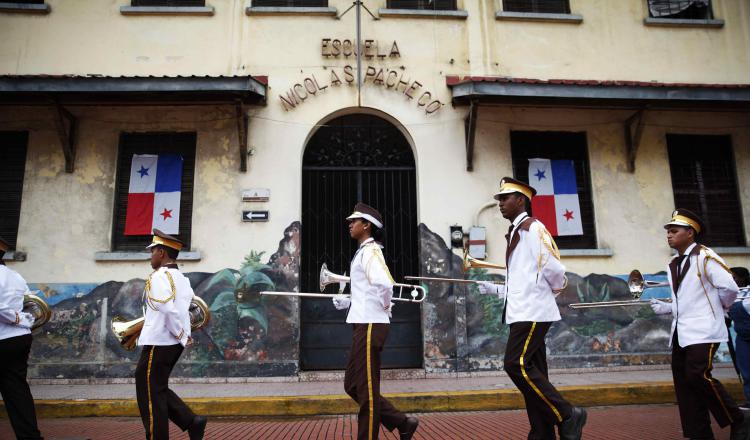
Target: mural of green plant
<point>239,320</point>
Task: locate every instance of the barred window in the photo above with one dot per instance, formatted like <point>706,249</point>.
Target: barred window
<point>173,3</point>
<point>436,5</point>
<point>684,9</point>
<point>292,3</point>
<point>182,144</point>
<point>554,145</point>
<point>704,180</point>
<point>539,6</point>
<point>13,160</point>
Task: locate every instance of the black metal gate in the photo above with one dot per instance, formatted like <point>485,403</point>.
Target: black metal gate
<point>356,158</point>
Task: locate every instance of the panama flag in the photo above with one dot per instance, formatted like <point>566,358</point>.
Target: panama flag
<point>154,194</point>
<point>556,201</point>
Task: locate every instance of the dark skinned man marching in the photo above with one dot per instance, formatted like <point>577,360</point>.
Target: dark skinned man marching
<point>535,276</point>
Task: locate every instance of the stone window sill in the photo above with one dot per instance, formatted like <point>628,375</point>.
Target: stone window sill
<point>282,10</point>
<point>459,14</point>
<point>24,8</point>
<point>732,250</point>
<point>682,22</point>
<point>142,256</point>
<point>167,10</point>
<point>601,253</point>
<point>14,256</point>
<point>535,16</point>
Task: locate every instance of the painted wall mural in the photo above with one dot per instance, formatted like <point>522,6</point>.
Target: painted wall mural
<point>253,335</point>
<point>583,338</point>
<point>249,334</point>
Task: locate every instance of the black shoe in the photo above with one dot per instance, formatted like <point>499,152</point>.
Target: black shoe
<point>197,428</point>
<point>408,429</point>
<point>572,427</point>
<point>741,429</point>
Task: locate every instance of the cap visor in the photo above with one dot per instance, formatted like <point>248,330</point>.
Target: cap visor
<point>506,191</point>
<point>676,223</point>
<point>152,245</point>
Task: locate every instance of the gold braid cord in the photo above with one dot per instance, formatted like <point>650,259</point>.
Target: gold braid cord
<point>709,256</point>
<point>545,239</point>
<point>706,257</point>
<point>161,301</point>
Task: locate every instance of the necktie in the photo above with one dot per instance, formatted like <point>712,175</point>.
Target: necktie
<point>510,231</point>
<point>680,260</point>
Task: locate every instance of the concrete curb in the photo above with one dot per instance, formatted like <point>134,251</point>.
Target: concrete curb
<point>287,406</point>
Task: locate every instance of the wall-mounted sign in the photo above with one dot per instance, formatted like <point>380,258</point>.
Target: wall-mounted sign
<point>254,216</point>
<point>256,195</point>
<point>396,80</point>
<point>334,47</point>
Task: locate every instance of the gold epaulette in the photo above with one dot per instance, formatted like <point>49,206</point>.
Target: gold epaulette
<point>377,255</point>
<point>708,255</point>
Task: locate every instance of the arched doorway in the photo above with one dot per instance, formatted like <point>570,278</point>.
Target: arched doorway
<point>358,157</point>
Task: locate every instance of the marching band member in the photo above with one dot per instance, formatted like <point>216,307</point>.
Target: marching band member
<point>534,277</point>
<point>166,331</point>
<point>15,345</point>
<point>702,289</point>
<point>370,311</point>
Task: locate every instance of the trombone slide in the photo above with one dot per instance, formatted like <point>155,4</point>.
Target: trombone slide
<point>334,295</point>
<point>624,303</point>
<point>448,280</point>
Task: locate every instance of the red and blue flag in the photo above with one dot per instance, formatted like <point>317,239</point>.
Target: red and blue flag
<point>154,194</point>
<point>556,202</point>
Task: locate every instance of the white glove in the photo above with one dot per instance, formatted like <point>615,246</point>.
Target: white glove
<point>489,288</point>
<point>341,302</point>
<point>25,319</point>
<point>660,307</point>
<point>389,309</point>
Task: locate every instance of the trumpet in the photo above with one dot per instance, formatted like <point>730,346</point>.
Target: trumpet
<point>128,331</point>
<point>417,293</point>
<point>468,262</point>
<point>636,285</point>
<point>38,308</point>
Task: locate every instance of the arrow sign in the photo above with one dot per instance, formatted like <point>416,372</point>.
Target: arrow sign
<point>254,216</point>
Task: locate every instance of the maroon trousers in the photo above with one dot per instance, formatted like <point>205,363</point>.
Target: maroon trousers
<point>156,402</point>
<point>362,382</point>
<point>526,364</point>
<point>697,392</point>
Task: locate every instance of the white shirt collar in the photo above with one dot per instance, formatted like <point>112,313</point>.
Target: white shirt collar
<point>519,218</point>
<point>366,241</point>
<point>689,249</point>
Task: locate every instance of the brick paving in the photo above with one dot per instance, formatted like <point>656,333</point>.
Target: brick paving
<point>650,422</point>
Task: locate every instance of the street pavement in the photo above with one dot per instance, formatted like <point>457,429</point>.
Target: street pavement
<point>647,422</point>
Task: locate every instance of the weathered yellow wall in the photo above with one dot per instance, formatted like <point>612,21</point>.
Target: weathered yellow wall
<point>67,217</point>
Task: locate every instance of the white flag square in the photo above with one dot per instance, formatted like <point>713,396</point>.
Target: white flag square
<point>143,173</point>
<point>167,212</point>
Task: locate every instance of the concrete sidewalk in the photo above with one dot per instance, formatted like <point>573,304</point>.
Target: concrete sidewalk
<point>322,393</point>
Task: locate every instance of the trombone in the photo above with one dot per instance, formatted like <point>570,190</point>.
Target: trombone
<point>468,262</point>
<point>636,284</point>
<point>417,293</point>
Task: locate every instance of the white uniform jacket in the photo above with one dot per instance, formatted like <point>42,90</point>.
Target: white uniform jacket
<point>534,270</point>
<point>700,296</point>
<point>12,289</point>
<point>167,298</point>
<point>371,285</point>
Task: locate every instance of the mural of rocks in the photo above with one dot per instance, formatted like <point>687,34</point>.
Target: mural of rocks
<point>249,334</point>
